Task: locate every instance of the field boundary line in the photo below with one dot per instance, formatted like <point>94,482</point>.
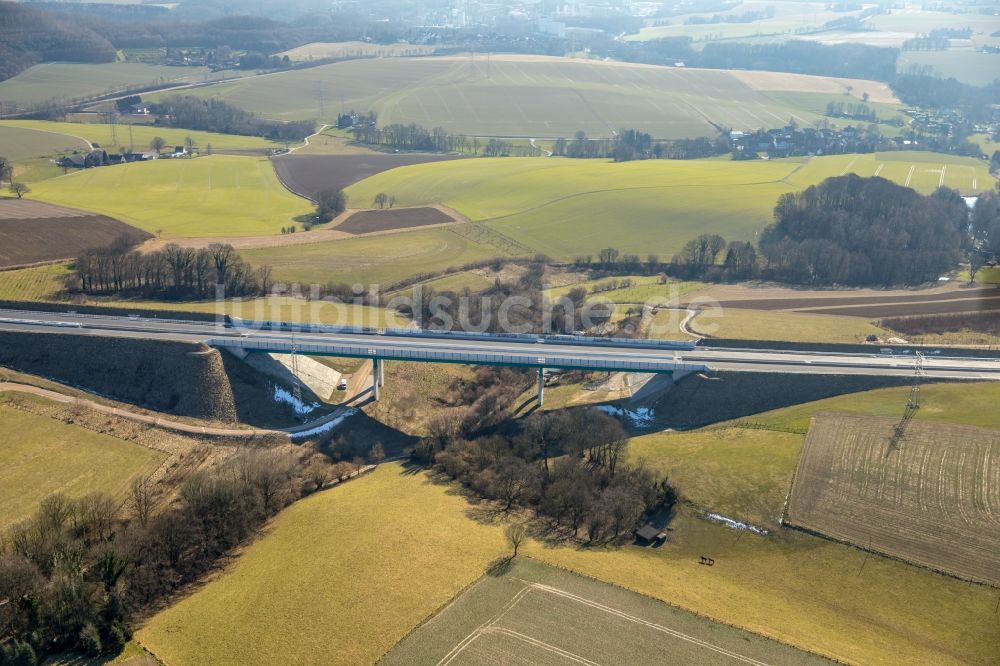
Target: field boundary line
<point>539,643</point>
<point>690,611</point>
<point>651,625</point>
<point>478,631</point>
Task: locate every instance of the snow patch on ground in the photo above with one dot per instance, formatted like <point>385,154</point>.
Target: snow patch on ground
<point>639,417</point>
<point>324,427</point>
<point>301,408</point>
<point>735,524</point>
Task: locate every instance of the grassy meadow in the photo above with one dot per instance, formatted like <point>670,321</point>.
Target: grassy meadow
<point>60,80</point>
<point>338,578</point>
<point>48,456</point>
<point>39,283</point>
<point>218,195</point>
<point>740,324</point>
<point>565,208</point>
<point>519,96</point>
<point>141,136</point>
<point>372,260</point>
<point>327,567</point>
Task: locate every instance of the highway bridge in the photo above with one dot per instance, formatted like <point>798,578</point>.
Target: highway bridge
<point>529,351</point>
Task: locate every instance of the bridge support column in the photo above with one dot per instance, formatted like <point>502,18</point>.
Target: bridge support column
<point>381,372</point>
<point>376,377</point>
<point>541,385</point>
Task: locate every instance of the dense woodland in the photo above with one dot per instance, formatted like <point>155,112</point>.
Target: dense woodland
<point>78,574</point>
<point>864,231</point>
<point>174,272</point>
<point>567,466</point>
<point>213,115</point>
<point>29,36</point>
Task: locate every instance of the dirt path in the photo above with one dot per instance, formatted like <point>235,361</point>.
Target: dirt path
<point>160,422</point>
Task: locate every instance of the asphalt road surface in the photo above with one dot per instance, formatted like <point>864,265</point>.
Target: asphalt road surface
<point>506,351</point>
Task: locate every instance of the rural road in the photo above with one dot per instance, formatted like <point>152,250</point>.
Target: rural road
<point>166,424</point>
<point>564,352</point>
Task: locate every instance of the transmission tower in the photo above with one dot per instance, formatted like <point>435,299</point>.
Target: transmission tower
<point>912,405</point>
<point>109,118</point>
<point>296,385</point>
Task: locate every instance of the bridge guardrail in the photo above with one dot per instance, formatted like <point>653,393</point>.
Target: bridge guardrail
<point>463,335</point>
<point>531,360</point>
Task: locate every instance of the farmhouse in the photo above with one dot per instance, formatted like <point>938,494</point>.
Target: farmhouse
<point>95,158</point>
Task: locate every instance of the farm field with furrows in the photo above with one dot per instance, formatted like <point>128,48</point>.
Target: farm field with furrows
<point>21,143</point>
<point>141,136</point>
<point>318,50</point>
<point>372,260</point>
<point>932,498</point>
<point>527,612</point>
<point>212,196</point>
<point>70,81</point>
<point>48,456</point>
<point>973,67</point>
<point>38,283</point>
<point>535,96</point>
<point>33,232</point>
<point>307,175</point>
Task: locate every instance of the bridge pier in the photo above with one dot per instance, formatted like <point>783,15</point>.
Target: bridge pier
<point>378,377</point>
<point>541,385</point>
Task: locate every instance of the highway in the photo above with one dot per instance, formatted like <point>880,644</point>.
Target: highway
<point>550,353</point>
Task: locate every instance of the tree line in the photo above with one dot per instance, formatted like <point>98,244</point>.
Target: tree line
<point>78,574</point>
<point>174,272</point>
<point>416,137</point>
<point>568,467</point>
<point>847,230</point>
<point>214,115</point>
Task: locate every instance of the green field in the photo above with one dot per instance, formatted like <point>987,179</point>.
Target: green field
<point>375,260</point>
<point>973,67</point>
<point>566,208</point>
<point>48,456</point>
<point>533,613</point>
<point>141,136</point>
<point>338,578</point>
<point>64,81</point>
<point>40,283</point>
<point>17,143</point>
<point>218,195</point>
<point>513,96</point>
<point>739,324</point>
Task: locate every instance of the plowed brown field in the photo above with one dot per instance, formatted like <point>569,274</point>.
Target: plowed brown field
<point>33,232</point>
<point>933,500</point>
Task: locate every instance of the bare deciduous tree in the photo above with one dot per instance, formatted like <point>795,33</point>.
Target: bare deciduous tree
<point>516,534</point>
<point>141,499</point>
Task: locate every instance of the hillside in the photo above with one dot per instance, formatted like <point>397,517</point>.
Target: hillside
<point>539,96</point>
<point>28,36</point>
<point>218,195</point>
